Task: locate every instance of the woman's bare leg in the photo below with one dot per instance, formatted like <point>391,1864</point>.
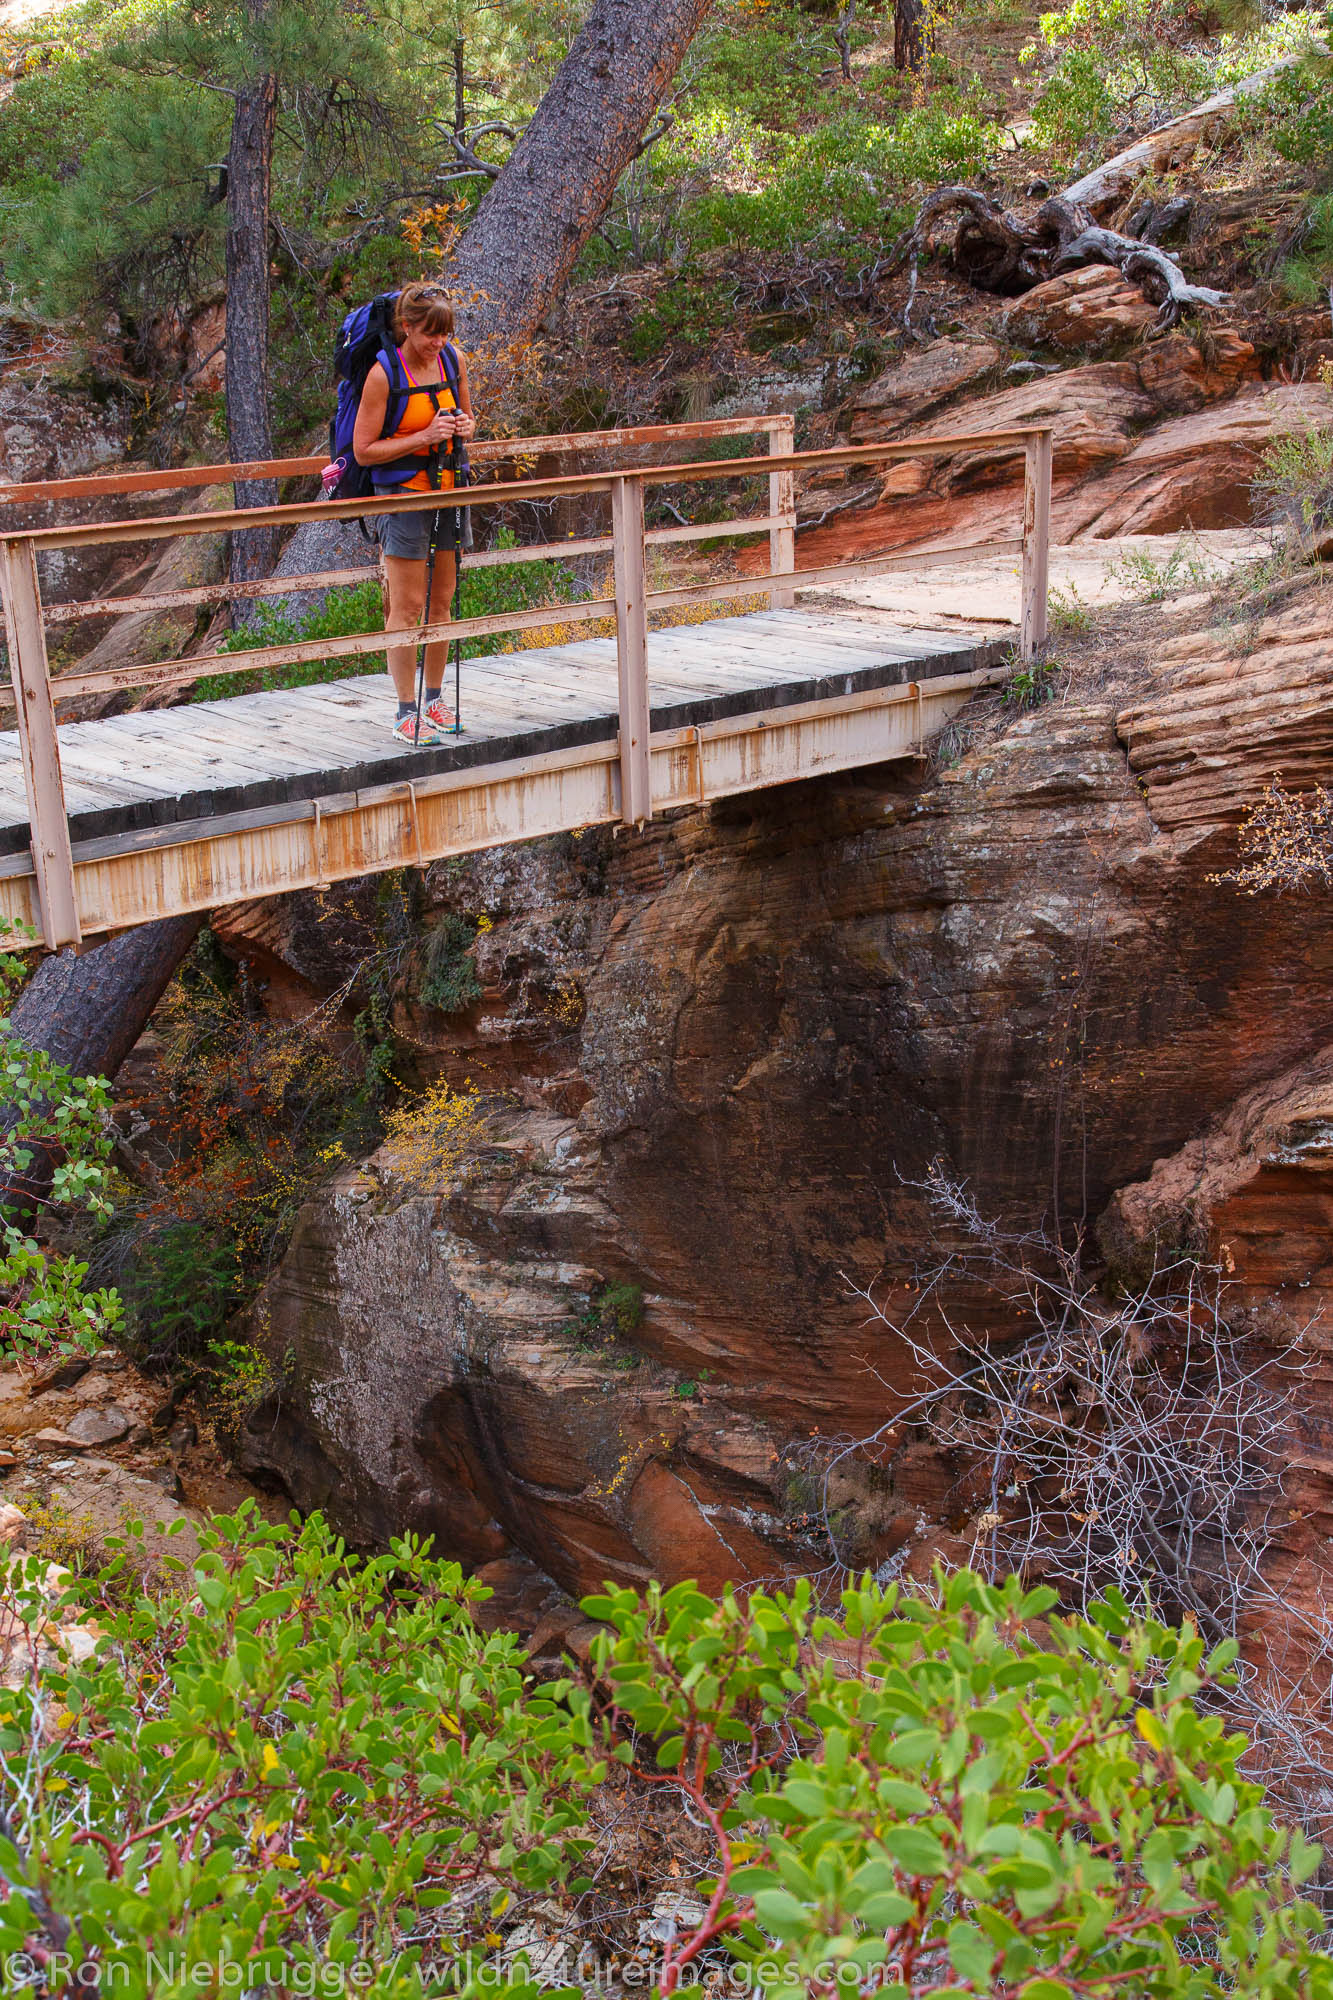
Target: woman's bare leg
<point>406,584</point>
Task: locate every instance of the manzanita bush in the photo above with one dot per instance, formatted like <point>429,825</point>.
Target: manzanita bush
<point>292,1772</point>
<point>48,1114</point>
<point>966,1796</point>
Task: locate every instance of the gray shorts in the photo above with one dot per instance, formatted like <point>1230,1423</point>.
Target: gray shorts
<point>407,536</point>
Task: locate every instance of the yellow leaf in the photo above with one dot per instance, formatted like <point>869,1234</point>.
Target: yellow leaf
<point>57,1785</point>
<point>493,1938</point>
<point>1149,1728</point>
<point>450,1724</point>
<point>272,1761</point>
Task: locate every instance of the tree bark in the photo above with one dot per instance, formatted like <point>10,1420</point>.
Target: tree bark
<point>559,180</point>
<point>89,1011</point>
<point>249,432</point>
<point>912,38</point>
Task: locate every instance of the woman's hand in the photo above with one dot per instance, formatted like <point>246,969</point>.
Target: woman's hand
<point>464,426</point>
<point>441,426</point>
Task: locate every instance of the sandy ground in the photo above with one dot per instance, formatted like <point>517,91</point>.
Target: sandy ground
<point>983,592</point>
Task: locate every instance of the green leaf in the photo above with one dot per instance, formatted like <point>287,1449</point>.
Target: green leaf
<point>916,1850</point>
<point>781,1914</point>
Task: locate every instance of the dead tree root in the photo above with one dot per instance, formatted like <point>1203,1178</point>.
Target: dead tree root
<point>997,250</point>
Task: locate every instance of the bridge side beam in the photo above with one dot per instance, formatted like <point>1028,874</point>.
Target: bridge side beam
<point>52,857</point>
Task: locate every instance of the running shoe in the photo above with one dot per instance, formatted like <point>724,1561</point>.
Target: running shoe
<point>406,731</point>
<point>440,716</point>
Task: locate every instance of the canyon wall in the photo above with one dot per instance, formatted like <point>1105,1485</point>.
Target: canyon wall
<point>717,1055</point>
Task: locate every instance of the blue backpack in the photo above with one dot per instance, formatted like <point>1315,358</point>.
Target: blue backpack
<point>365,337</point>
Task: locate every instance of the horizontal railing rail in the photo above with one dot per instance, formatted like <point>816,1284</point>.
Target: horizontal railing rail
<point>630,605</point>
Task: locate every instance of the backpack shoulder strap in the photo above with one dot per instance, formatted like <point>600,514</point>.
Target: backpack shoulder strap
<point>449,356</point>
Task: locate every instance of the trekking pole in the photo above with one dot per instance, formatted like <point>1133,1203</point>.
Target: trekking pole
<point>456,466</point>
<point>425,620</point>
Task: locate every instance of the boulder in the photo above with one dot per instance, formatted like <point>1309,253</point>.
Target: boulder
<point>104,1424</point>
<point>1091,307</point>
<point>918,382</point>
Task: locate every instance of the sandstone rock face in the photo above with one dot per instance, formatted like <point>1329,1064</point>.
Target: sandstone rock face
<point>719,1055</point>
<point>50,431</point>
<point>923,379</point>
<point>1164,440</point>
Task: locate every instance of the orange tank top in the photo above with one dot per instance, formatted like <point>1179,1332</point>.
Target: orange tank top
<point>417,414</point>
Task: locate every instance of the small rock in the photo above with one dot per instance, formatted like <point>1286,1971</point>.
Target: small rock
<point>107,1425</point>
<point>13,1522</point>
<point>8,1458</point>
<point>182,1436</point>
<point>65,1464</point>
<point>110,1360</point>
<point>139,1435</point>
<point>50,1436</point>
<point>62,1374</point>
<point>165,1477</point>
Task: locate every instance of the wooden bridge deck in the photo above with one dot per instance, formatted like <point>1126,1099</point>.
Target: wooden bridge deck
<point>155,768</point>
<point>219,801</point>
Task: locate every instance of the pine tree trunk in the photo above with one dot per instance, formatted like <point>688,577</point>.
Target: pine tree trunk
<point>559,180</point>
<point>89,1011</point>
<point>249,432</point>
<point>912,38</point>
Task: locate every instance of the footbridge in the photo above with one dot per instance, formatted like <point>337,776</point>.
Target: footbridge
<point>176,804</point>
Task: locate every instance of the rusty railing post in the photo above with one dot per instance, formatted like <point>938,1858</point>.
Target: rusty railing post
<point>1036,544</point>
<point>782,504</point>
<point>631,585</point>
<point>52,858</point>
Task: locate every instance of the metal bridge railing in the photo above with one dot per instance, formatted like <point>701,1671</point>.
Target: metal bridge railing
<point>37,692</point>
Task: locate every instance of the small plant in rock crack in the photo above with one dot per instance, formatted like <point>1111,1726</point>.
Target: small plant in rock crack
<point>1031,685</point>
<point>604,1327</point>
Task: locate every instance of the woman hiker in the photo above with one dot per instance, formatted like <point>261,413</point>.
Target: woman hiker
<point>408,459</point>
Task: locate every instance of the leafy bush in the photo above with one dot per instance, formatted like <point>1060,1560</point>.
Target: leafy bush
<point>50,1118</point>
<point>287,1761</point>
<point>965,1796</point>
<point>1113,64</point>
<point>335,1778</point>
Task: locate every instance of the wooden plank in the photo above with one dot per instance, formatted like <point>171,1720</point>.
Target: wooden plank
<point>161,527</point>
<point>636,797</point>
<point>52,862</point>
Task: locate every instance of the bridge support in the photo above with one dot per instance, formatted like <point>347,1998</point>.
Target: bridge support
<point>636,791</point>
<point>782,506</point>
<point>52,857</point>
<point>1036,544</point>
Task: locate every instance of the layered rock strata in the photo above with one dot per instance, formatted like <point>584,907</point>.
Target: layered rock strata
<point>717,1057</point>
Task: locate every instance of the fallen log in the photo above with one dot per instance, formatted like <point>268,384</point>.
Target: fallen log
<point>1108,185</point>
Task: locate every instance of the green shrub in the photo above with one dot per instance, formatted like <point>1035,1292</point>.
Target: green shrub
<point>288,1763</point>
<point>47,1113</point>
<point>449,981</point>
<point>962,1795</point>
